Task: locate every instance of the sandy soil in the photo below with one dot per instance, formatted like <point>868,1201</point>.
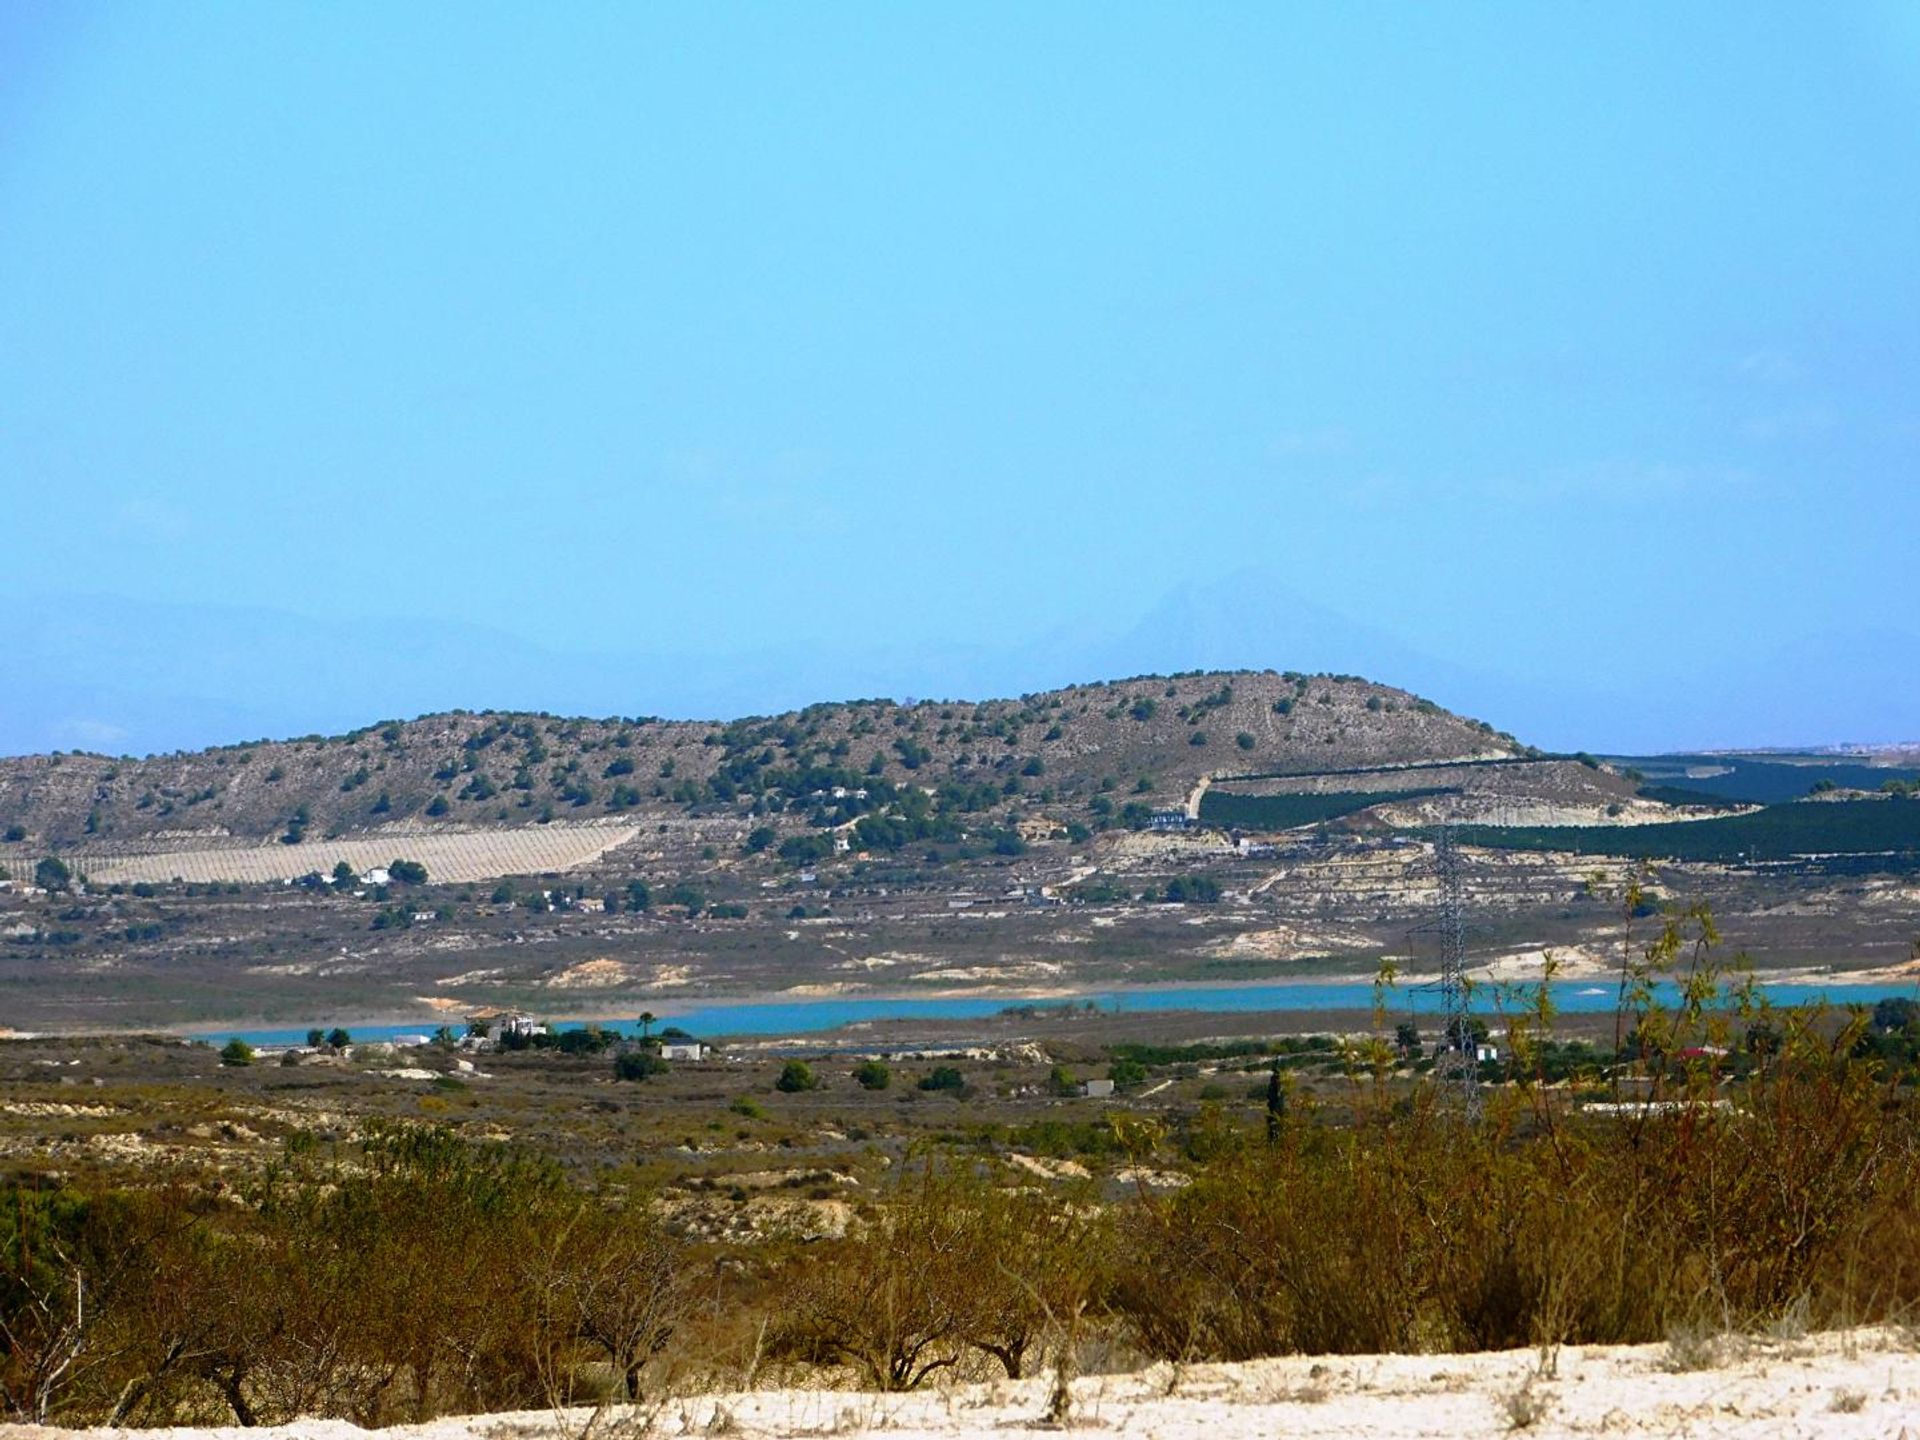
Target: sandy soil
<point>1576,962</point>
<point>1855,1383</point>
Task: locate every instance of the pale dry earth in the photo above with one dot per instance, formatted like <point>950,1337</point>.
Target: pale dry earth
<point>1836,1386</point>
<point>451,857</point>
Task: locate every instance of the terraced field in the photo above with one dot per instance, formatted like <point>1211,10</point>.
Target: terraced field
<point>454,858</point>
<point>1888,829</point>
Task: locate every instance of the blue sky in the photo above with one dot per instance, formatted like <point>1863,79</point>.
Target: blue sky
<point>1563,361</point>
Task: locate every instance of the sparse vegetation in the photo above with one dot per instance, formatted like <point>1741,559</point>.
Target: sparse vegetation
<point>411,1272</point>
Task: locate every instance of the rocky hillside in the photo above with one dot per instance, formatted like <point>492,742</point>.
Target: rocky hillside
<point>1081,755</point>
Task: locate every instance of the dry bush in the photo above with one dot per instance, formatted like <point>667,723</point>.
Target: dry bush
<point>619,1280</point>
<point>428,1276</point>
<point>1749,1186</point>
<point>952,1263</point>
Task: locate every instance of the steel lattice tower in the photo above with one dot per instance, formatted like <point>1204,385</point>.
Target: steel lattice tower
<point>1455,1062</point>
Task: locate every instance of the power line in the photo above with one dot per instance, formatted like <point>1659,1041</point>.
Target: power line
<point>1456,1062</point>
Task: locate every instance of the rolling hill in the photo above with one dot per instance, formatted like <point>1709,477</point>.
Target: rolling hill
<point>1077,754</point>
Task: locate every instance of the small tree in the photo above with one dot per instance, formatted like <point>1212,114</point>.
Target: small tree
<point>338,1039</point>
<point>408,872</point>
<point>872,1075</point>
<point>795,1076</point>
<point>52,874</point>
<point>1896,1012</point>
<point>236,1052</point>
<point>316,1037</point>
<point>625,1283</point>
<point>638,1065</point>
<point>343,876</point>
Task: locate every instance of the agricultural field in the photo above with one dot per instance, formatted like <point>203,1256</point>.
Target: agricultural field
<point>450,856</point>
<point>1767,779</point>
<point>1887,828</point>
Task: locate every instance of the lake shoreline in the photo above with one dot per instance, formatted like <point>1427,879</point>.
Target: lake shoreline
<point>817,1016</point>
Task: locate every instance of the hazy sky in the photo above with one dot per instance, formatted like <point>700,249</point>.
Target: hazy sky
<point>1562,341</point>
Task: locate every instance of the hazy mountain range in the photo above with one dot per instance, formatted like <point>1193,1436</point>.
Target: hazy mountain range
<point>119,676</point>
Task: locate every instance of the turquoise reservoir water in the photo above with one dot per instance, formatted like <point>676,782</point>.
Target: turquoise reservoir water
<point>810,1017</point>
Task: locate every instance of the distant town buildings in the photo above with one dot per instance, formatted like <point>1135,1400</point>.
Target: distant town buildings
<point>495,1026</point>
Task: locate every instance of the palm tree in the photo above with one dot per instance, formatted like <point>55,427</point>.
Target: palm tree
<point>647,1017</point>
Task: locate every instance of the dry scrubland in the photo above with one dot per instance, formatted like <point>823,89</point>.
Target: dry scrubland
<point>516,769</point>
<point>1755,1180</point>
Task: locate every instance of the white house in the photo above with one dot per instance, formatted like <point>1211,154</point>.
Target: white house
<point>496,1025</point>
<point>682,1050</point>
<point>1096,1089</point>
<point>379,875</point>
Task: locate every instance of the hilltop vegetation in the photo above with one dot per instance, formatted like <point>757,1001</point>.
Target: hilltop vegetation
<point>1079,754</point>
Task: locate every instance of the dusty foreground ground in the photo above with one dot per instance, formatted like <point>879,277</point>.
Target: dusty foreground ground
<point>1855,1383</point>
